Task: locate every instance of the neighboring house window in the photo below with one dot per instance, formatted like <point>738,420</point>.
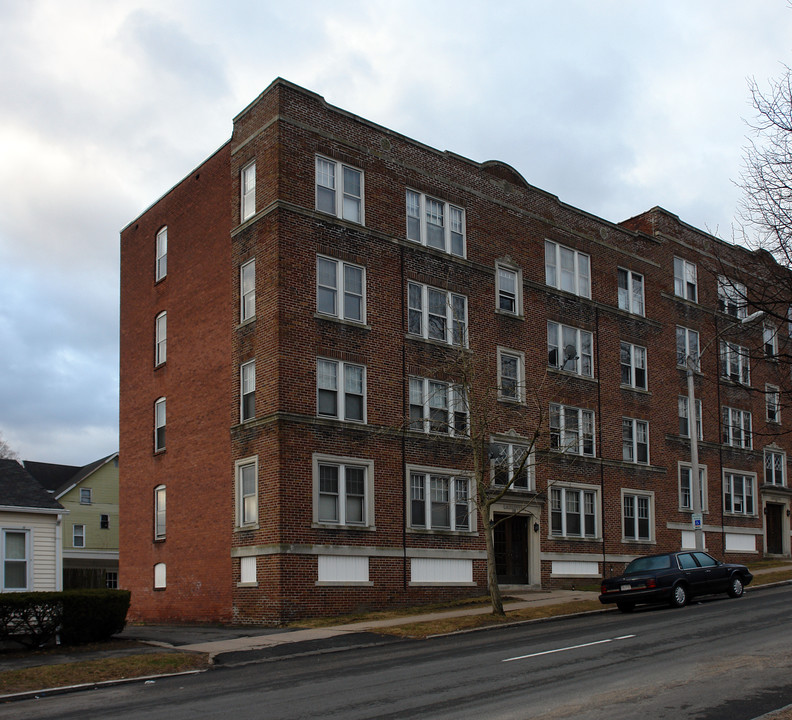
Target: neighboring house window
<point>343,491</point>
<point>773,404</point>
<point>631,292</point>
<point>162,254</point>
<point>159,425</point>
<point>508,289</point>
<point>85,496</point>
<point>437,314</point>
<point>104,522</point>
<point>774,467</point>
<point>684,417</point>
<point>636,515</point>
<point>246,492</point>
<point>161,338</point>
<point>16,559</point>
<point>437,406</point>
<point>111,580</point>
<point>511,375</point>
<point>247,290</point>
<point>573,512</point>
<point>512,463</point>
<point>685,282</point>
<point>633,365</point>
<point>738,493</point>
<point>737,427</point>
<point>340,289</point>
<point>247,379</point>
<point>78,536</point>
<point>635,441</point>
<point>687,345</point>
<point>159,512</point>
<point>439,502</point>
<point>435,223</point>
<point>735,363</point>
<point>248,183</point>
<point>571,429</point>
<point>569,349</point>
<point>567,269</point>
<point>685,490</point>
<point>770,340</point>
<point>339,190</point>
<point>341,390</point>
<point>732,297</point>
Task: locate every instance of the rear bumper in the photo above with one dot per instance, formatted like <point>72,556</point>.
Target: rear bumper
<point>655,595</point>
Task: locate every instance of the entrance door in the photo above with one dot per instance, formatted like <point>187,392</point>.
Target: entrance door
<point>774,520</point>
<point>511,549</point>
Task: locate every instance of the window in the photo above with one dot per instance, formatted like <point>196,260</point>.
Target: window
<point>159,512</point>
<point>16,559</point>
<point>247,290</point>
<point>735,363</point>
<point>161,267</point>
<point>339,190</point>
<point>633,366</point>
<point>684,418</point>
<point>635,441</point>
<point>636,516</point>
<point>512,464</point>
<point>341,390</point>
<point>508,290</point>
<point>439,502</point>
<point>511,375</point>
<point>247,570</point>
<point>569,349</point>
<point>631,292</point>
<point>246,492</point>
<point>685,491</point>
<point>435,223</point>
<point>437,314</point>
<point>159,425</point>
<point>738,493</point>
<point>770,340</point>
<point>247,405</point>
<point>774,467</point>
<point>772,404</point>
<point>438,407</point>
<point>111,580</point>
<point>732,297</point>
<point>161,338</point>
<point>567,269</point>
<point>571,429</point>
<point>340,289</point>
<point>248,184</point>
<point>736,427</point>
<point>343,491</point>
<point>687,345</point>
<point>78,536</point>
<point>160,576</point>
<point>85,496</point>
<point>573,512</point>
<point>104,522</point>
<point>685,283</point>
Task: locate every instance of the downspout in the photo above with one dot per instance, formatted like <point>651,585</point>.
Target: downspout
<point>404,426</point>
<point>599,433</point>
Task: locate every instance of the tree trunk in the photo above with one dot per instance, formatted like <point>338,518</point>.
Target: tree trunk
<point>492,572</point>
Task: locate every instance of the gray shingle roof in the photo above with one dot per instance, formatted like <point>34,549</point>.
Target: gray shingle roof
<point>18,488</point>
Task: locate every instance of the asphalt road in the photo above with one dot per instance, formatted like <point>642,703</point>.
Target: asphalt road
<point>719,659</point>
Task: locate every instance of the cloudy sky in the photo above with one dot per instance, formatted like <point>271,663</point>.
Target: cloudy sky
<point>105,104</point>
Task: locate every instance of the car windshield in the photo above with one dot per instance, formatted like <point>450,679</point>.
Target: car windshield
<point>655,562</point>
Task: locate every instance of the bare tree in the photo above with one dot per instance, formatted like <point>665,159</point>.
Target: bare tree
<point>5,450</point>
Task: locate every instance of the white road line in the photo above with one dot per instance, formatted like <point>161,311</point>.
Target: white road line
<point>571,647</point>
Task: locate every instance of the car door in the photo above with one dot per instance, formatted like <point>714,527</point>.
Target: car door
<point>694,574</point>
<point>716,575</point>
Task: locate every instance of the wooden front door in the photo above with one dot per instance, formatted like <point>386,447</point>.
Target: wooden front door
<point>511,549</point>
<point>774,525</point>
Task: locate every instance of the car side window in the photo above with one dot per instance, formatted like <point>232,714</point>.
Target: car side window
<point>686,561</point>
<point>705,560</point>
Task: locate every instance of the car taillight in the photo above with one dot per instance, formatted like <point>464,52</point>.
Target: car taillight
<point>603,589</point>
<point>651,583</point>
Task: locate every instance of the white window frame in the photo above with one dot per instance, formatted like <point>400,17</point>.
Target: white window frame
<point>340,290</point>
<point>631,501</point>
<point>509,456</point>
<point>631,291</point>
<point>518,394</point>
<point>455,327</point>
<point>161,251</point>
<point>734,504</point>
<point>637,362</point>
<point>511,298</point>
<point>430,399</point>
<point>27,559</point>
<point>160,424</point>
<point>732,297</point>
<point>343,197</point>
<point>78,535</point>
<point>428,482</point>
<point>247,391</point>
<point>420,207</point>
<point>685,279</point>
<point>568,495</point>
<point>247,290</point>
<point>684,414</point>
<point>160,512</point>
<point>247,497</point>
<point>86,492</point>
<point>566,440</point>
<point>342,393</point>
<point>247,189</point>
<point>774,465</point>
<point>686,495</point>
<point>686,335</point>
<point>555,273</point>
<point>770,341</point>
<point>557,334</point>
<point>735,362</point>
<point>773,404</point>
<point>161,338</point>
<point>632,429</point>
<point>343,465</point>
<point>737,428</point>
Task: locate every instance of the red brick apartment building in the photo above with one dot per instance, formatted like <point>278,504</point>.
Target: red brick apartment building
<point>292,438</point>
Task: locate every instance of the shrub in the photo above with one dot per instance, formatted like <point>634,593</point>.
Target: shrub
<point>31,618</point>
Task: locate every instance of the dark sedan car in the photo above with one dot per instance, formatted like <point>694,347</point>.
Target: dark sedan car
<point>673,578</point>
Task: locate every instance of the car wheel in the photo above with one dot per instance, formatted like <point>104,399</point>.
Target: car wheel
<point>626,607</point>
<point>679,596</point>
<point>735,587</point>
